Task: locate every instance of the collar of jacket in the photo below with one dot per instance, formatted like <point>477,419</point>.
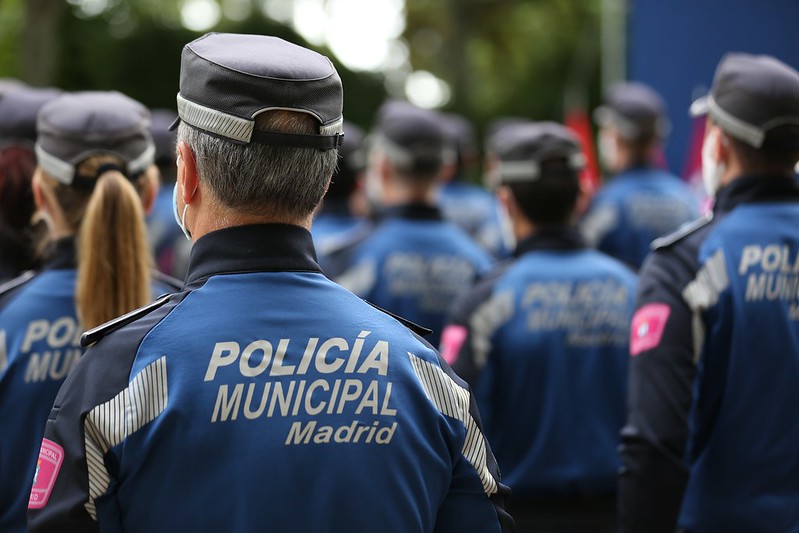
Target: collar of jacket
<point>554,238</point>
<point>61,255</point>
<point>755,189</point>
<point>252,248</point>
<point>413,211</point>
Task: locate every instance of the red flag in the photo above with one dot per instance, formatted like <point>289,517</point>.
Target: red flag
<point>578,121</point>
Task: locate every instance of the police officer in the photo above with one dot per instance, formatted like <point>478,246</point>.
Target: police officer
<point>94,180</point>
<point>18,108</point>
<point>642,202</point>
<point>543,341</point>
<point>711,440</point>
<point>470,206</point>
<point>414,263</point>
<point>263,395</point>
<point>341,213</point>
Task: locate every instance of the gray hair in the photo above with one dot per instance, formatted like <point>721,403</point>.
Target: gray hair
<point>268,180</point>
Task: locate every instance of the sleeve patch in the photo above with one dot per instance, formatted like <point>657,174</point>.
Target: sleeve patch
<point>452,340</point>
<point>648,325</point>
<point>51,455</point>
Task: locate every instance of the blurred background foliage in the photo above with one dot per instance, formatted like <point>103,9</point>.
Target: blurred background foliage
<point>497,57</point>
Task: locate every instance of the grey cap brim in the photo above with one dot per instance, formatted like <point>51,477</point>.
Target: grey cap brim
<point>731,124</point>
<point>700,107</point>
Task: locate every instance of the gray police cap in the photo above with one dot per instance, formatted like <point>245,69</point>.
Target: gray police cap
<point>413,139</point>
<point>530,145</point>
<point>75,126</point>
<point>635,109</point>
<point>752,95</point>
<point>18,110</point>
<point>227,79</point>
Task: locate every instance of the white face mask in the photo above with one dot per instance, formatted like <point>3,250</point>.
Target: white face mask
<point>607,150</point>
<point>712,170</point>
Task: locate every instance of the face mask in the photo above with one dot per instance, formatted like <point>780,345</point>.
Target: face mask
<point>607,151</point>
<point>180,218</point>
<point>712,170</point>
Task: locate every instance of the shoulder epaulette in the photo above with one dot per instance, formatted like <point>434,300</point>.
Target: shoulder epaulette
<point>20,280</point>
<point>95,334</point>
<point>683,231</point>
<point>166,279</point>
<point>416,328</point>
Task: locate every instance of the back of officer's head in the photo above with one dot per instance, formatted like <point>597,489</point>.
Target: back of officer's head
<point>262,118</point>
<point>754,100</point>
<point>412,140</point>
<point>541,165</point>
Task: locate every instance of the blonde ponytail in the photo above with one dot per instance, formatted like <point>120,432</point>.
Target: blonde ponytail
<point>113,254</point>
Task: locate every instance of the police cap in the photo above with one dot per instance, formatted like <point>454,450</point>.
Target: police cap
<point>528,146</point>
<point>412,138</point>
<point>227,79</point>
<point>75,126</point>
<point>751,96</point>
<point>636,110</point>
<point>18,109</point>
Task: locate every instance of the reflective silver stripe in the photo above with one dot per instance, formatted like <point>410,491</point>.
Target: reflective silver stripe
<point>485,321</point>
<point>55,167</point>
<point>208,119</point>
<point>453,400</point>
<point>735,126</point>
<point>703,292</point>
<point>141,163</point>
<point>110,423</point>
<point>519,171</point>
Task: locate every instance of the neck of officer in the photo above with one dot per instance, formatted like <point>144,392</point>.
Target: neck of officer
<point>204,217</point>
<point>402,191</point>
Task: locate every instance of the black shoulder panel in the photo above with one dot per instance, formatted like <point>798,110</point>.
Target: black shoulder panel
<point>95,334</point>
<point>683,231</point>
<point>416,328</point>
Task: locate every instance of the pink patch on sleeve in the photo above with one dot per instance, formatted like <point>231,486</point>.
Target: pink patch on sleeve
<point>51,455</point>
<point>649,322</point>
<point>451,342</point>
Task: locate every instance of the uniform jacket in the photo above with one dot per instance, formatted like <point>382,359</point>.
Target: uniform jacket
<point>712,433</point>
<point>414,264</point>
<point>477,212</point>
<point>635,208</point>
<point>263,395</point>
<point>39,345</point>
<point>543,341</point>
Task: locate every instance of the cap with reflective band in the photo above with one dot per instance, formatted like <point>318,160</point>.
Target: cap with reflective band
<point>227,80</point>
<point>76,126</point>
<point>19,107</point>
<point>751,96</point>
<point>527,146</point>
<point>635,109</point>
<point>413,139</point>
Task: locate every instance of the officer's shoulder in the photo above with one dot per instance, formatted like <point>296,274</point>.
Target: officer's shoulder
<point>416,328</point>
<point>95,334</point>
<point>15,284</point>
<point>682,233</point>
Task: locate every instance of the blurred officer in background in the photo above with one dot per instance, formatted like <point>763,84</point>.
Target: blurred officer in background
<point>170,247</point>
<point>94,181</point>
<point>470,206</point>
<point>642,202</point>
<point>414,263</point>
<point>263,395</point>
<point>712,438</point>
<point>18,108</point>
<point>543,342</point>
<point>338,217</point>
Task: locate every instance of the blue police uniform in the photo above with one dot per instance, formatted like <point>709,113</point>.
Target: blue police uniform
<point>333,224</point>
<point>714,385</point>
<point>476,211</point>
<point>39,345</point>
<point>301,407</point>
<point>543,341</point>
<point>414,264</point>
<point>636,207</point>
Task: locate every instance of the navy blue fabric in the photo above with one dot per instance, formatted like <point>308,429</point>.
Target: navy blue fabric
<point>415,264</point>
<point>477,213</point>
<point>289,404</point>
<point>546,352</point>
<point>635,208</point>
<point>39,346</point>
<point>711,440</point>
